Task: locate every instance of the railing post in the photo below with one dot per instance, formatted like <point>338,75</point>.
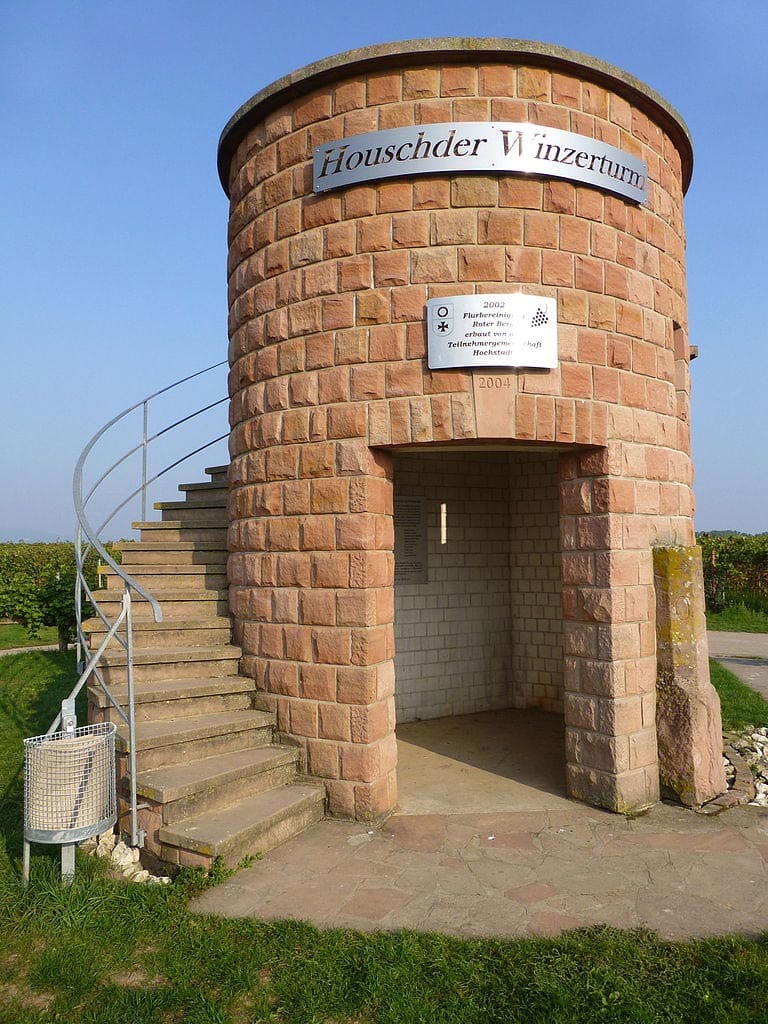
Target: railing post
<point>137,834</point>
<point>145,407</point>
<point>79,599</point>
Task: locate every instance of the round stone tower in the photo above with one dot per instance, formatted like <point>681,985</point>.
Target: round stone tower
<point>425,525</point>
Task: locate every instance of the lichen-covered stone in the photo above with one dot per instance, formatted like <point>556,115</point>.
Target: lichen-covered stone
<point>688,717</point>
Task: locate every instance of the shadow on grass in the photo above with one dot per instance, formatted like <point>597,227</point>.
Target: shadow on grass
<point>32,686</point>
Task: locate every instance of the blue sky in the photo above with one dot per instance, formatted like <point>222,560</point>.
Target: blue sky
<point>113,223</point>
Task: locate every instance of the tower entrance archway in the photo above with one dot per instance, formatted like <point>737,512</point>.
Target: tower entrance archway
<point>478,626</point>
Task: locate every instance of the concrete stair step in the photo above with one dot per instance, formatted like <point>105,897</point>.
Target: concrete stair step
<point>157,700</point>
<point>250,826</point>
<point>217,473</point>
<point>215,499</point>
<point>169,576</point>
<point>218,781</point>
<point>192,517</point>
<point>190,707</point>
<point>178,741</point>
<point>205,547</point>
<point>173,633</point>
<point>167,663</point>
<point>174,530</point>
<point>176,604</point>
<point>211,513</point>
<point>136,553</point>
<point>213,493</point>
<point>178,689</point>
<point>209,486</point>
<point>195,518</point>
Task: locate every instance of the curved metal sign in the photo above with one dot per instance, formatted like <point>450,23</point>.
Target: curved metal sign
<point>506,147</point>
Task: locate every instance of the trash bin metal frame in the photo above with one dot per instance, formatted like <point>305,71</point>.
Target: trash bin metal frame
<point>70,775</point>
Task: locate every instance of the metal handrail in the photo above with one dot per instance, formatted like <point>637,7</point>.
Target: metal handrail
<point>89,539</point>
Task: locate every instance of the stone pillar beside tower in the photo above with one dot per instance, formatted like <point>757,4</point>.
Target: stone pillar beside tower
<point>330,377</point>
<point>689,723</point>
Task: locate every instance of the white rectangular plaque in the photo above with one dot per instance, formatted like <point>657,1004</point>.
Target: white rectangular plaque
<point>410,540</point>
<point>492,330</point>
<point>506,147</point>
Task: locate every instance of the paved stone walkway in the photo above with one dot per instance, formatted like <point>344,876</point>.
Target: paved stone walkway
<point>458,860</point>
<point>26,650</point>
<point>516,874</point>
<point>723,644</point>
<point>744,654</point>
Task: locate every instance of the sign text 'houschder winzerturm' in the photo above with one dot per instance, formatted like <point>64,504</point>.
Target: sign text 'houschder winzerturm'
<point>505,147</point>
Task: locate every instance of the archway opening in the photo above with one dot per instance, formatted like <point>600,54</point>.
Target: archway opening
<point>478,629</point>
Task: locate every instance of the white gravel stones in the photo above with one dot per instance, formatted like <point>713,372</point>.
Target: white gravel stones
<point>123,858</point>
<point>752,746</point>
<point>106,844</point>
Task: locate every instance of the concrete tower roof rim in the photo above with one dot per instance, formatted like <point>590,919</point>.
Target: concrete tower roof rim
<point>411,51</point>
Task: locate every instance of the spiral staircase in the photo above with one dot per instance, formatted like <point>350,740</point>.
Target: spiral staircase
<point>202,771</point>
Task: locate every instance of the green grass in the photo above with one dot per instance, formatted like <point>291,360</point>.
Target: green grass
<point>739,619</point>
<point>14,635</point>
<point>31,688</point>
<point>741,706</point>
<point>102,952</point>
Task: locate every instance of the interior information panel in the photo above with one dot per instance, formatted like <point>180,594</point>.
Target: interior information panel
<point>410,540</point>
<point>492,330</point>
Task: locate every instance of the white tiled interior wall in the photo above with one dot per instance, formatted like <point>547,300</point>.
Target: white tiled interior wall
<point>534,574</point>
<point>484,631</point>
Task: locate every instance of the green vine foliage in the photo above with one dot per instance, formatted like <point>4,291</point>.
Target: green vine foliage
<point>735,570</point>
<point>37,586</point>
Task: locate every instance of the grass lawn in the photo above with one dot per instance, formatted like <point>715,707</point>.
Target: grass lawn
<point>14,635</point>
<point>103,951</point>
<point>741,706</point>
<point>738,619</point>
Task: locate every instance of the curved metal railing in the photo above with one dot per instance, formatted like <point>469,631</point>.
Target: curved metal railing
<point>89,538</point>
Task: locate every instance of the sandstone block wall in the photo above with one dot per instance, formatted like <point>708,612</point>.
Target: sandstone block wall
<point>329,376</point>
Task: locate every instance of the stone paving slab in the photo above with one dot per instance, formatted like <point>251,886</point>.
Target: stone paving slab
<point>516,874</point>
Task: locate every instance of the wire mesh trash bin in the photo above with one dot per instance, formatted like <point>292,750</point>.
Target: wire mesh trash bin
<point>69,785</point>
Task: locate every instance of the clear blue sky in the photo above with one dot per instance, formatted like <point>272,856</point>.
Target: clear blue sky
<point>114,224</point>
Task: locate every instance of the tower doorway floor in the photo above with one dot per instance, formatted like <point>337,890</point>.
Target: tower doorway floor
<point>509,760</point>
